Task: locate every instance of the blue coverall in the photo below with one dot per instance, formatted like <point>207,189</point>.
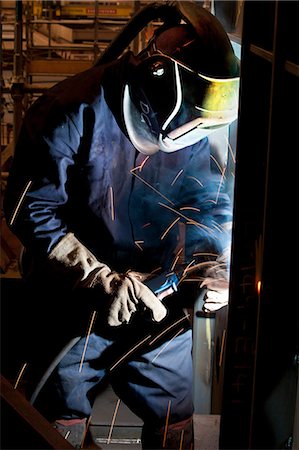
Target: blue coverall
<point>75,170</point>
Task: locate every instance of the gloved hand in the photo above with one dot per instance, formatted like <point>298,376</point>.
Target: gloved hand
<point>216,281</point>
<point>126,291</point>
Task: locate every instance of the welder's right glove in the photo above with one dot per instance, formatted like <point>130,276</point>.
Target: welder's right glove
<point>126,291</point>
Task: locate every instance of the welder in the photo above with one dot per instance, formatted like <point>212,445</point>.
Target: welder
<point>112,183</point>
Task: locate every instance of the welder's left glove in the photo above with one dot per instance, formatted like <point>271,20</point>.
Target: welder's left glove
<point>77,267</point>
<point>216,281</point>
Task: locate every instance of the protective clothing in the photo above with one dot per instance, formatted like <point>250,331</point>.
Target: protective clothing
<point>74,260</point>
<point>66,177</point>
<point>78,177</point>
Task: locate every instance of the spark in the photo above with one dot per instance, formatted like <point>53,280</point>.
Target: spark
<point>201,264</point>
<point>187,268</point>
<point>169,328</point>
<point>177,176</point>
<point>140,167</point>
<point>137,243</point>
<point>20,375</point>
<point>166,345</point>
<point>220,183</point>
<point>150,186</point>
<point>67,434</point>
<point>86,430</point>
<point>113,420</point>
<point>169,228</point>
<point>231,150</point>
<point>142,164</point>
<point>93,317</point>
<point>129,352</point>
<point>166,424</point>
<point>205,254</point>
<point>112,203</point>
<point>200,225</point>
<point>176,259</point>
<point>20,201</point>
<point>182,439</point>
<point>155,270</point>
<point>197,180</point>
<point>217,163</point>
<point>222,348</point>
<point>184,208</point>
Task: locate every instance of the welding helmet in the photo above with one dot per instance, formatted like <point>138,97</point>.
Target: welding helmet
<point>184,84</point>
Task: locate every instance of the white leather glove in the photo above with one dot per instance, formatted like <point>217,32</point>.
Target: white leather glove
<point>216,281</point>
<point>125,290</point>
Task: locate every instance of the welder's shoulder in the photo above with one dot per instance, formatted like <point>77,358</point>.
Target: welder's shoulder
<point>66,99</point>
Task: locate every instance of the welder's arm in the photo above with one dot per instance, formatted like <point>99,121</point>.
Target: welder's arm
<point>126,291</point>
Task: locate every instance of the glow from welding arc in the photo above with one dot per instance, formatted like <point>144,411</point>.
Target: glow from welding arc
<point>20,375</point>
<point>112,203</point>
<point>150,186</point>
<point>87,339</point>
<point>258,287</point>
<point>169,228</point>
<point>166,424</point>
<point>177,176</point>
<point>166,345</point>
<point>113,420</point>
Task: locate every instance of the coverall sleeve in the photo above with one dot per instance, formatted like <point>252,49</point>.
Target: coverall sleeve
<point>37,185</point>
